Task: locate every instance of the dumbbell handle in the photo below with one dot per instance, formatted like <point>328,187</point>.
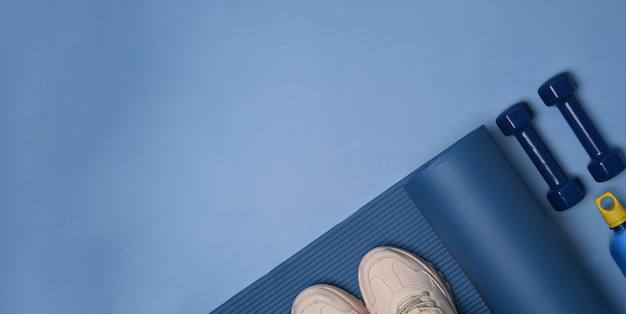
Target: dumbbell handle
<point>580,123</point>
<point>541,156</point>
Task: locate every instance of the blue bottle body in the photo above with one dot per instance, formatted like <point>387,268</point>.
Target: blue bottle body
<point>618,247</point>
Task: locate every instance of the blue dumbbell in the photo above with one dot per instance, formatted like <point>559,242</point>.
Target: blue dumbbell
<point>564,192</point>
<point>606,162</point>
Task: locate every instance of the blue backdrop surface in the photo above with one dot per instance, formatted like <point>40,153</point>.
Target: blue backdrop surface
<point>160,156</point>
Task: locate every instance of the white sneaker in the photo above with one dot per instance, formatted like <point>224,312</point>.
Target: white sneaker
<point>394,281</point>
<point>326,299</point>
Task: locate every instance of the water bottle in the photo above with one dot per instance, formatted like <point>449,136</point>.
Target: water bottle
<point>614,214</point>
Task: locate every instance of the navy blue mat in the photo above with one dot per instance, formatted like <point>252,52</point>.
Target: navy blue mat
<point>390,219</point>
<point>484,217</point>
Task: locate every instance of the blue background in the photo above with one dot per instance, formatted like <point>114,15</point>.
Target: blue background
<point>159,156</point>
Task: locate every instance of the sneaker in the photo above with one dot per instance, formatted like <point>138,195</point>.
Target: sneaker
<point>326,299</point>
<point>394,281</point>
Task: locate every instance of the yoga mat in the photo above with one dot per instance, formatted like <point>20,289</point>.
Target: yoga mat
<point>389,219</point>
<point>499,234</point>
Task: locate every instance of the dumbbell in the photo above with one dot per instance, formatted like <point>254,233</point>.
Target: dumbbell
<point>564,192</point>
<point>606,162</point>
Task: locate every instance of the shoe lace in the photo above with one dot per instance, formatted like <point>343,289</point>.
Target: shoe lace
<point>421,302</point>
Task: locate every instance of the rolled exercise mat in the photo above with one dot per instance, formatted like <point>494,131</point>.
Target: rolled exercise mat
<point>499,234</point>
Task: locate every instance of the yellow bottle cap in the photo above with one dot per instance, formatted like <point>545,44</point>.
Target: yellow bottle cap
<point>611,209</point>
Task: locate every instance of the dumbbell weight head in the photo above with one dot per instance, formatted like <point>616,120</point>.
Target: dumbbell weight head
<point>558,88</point>
<point>515,118</point>
<point>567,195</point>
<point>607,166</point>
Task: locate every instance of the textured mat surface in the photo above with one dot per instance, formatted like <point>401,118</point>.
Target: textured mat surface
<point>389,219</point>
<point>474,209</point>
